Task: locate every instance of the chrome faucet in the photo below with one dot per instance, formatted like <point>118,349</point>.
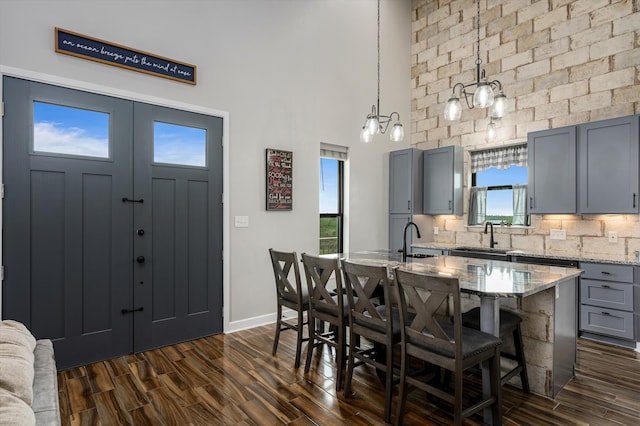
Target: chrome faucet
<point>492,242</point>
<point>404,239</point>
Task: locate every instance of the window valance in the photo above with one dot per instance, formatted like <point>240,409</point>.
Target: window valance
<point>500,157</point>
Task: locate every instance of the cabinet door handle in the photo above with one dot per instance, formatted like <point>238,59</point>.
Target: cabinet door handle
<point>409,205</point>
<point>605,273</point>
<point>634,200</point>
<point>530,202</point>
<point>605,286</point>
<point>449,205</point>
<point>605,313</point>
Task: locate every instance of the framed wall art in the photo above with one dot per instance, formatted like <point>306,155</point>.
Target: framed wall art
<point>279,180</point>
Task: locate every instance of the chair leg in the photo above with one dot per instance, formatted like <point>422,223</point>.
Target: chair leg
<point>299,341</point>
<point>496,388</point>
<point>340,356</point>
<point>402,388</point>
<point>517,342</point>
<point>278,326</point>
<point>457,403</point>
<point>312,341</point>
<point>350,365</point>
<point>388,390</point>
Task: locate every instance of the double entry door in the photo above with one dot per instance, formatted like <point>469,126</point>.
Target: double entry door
<point>112,221</point>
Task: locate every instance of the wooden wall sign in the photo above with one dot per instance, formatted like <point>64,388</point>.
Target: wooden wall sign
<point>279,179</point>
<point>93,49</point>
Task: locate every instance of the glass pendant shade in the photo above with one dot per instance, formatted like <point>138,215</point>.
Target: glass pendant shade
<point>491,131</point>
<point>372,125</point>
<point>365,136</point>
<point>483,96</point>
<point>499,105</point>
<point>453,110</point>
<point>397,133</point>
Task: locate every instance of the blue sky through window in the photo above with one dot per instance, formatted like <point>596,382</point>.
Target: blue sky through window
<point>328,185</point>
<point>500,202</point>
<point>67,130</point>
<point>175,144</point>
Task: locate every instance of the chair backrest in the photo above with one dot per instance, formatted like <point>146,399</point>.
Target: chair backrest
<point>364,284</point>
<point>321,272</point>
<point>426,293</point>
<point>285,269</point>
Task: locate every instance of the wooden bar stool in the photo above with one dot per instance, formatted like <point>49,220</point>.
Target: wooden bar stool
<point>509,325</point>
<point>327,303</point>
<point>291,294</point>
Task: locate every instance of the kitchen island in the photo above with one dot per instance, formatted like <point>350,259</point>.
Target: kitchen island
<point>545,297</point>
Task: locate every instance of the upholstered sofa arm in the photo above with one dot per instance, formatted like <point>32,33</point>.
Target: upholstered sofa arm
<point>45,385</point>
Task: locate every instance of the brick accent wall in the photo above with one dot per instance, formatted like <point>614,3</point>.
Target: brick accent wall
<point>561,62</point>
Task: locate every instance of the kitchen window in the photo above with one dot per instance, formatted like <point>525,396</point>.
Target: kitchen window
<point>332,163</point>
<point>499,186</point>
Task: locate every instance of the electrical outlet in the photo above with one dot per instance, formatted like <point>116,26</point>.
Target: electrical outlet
<point>242,221</point>
<point>435,230</point>
<point>613,237</point>
<point>558,234</point>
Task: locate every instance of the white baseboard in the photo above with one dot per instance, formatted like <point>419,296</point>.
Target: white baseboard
<point>247,323</point>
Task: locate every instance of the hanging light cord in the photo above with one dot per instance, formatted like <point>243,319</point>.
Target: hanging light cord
<point>478,60</point>
<point>378,100</point>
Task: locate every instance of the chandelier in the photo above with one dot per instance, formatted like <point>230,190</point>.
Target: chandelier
<point>483,94</point>
<point>376,123</point>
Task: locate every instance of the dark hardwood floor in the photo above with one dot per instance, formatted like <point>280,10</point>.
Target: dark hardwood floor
<point>234,379</point>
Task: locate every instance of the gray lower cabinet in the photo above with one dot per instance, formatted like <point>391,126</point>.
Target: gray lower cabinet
<point>552,171</point>
<point>405,193</point>
<point>442,183</point>
<point>607,302</point>
<point>608,153</point>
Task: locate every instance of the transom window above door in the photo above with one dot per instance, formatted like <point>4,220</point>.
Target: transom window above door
<point>66,130</point>
<point>180,145</point>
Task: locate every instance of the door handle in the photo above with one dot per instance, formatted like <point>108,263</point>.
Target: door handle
<point>140,232</point>
<point>140,259</point>
<point>130,311</point>
<point>128,200</point>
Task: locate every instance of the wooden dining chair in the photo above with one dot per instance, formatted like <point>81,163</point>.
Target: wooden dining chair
<point>432,337</point>
<point>366,286</point>
<point>292,294</point>
<point>509,328</point>
<point>327,304</point>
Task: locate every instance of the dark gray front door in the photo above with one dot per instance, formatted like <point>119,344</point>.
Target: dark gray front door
<point>112,231</point>
<point>181,276</point>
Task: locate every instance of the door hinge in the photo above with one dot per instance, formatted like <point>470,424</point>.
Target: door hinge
<point>2,273</point>
<point>2,191</point>
<point>2,109</point>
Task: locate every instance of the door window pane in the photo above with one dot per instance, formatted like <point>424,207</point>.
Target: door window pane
<point>71,131</point>
<point>182,145</point>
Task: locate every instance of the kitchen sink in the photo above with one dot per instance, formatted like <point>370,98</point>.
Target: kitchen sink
<point>480,253</point>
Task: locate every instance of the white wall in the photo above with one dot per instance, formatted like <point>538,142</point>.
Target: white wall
<point>288,74</point>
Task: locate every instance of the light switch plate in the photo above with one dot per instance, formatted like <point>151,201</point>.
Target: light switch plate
<point>613,237</point>
<point>242,221</point>
<point>558,234</point>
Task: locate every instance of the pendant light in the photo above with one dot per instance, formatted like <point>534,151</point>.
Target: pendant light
<point>480,93</point>
<point>376,123</point>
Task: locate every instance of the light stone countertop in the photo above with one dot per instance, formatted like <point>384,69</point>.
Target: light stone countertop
<point>598,258</point>
<point>477,276</point>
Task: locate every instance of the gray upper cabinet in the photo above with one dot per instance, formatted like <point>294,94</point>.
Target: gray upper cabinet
<point>608,166</point>
<point>405,178</point>
<point>442,182</point>
<point>552,171</point>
